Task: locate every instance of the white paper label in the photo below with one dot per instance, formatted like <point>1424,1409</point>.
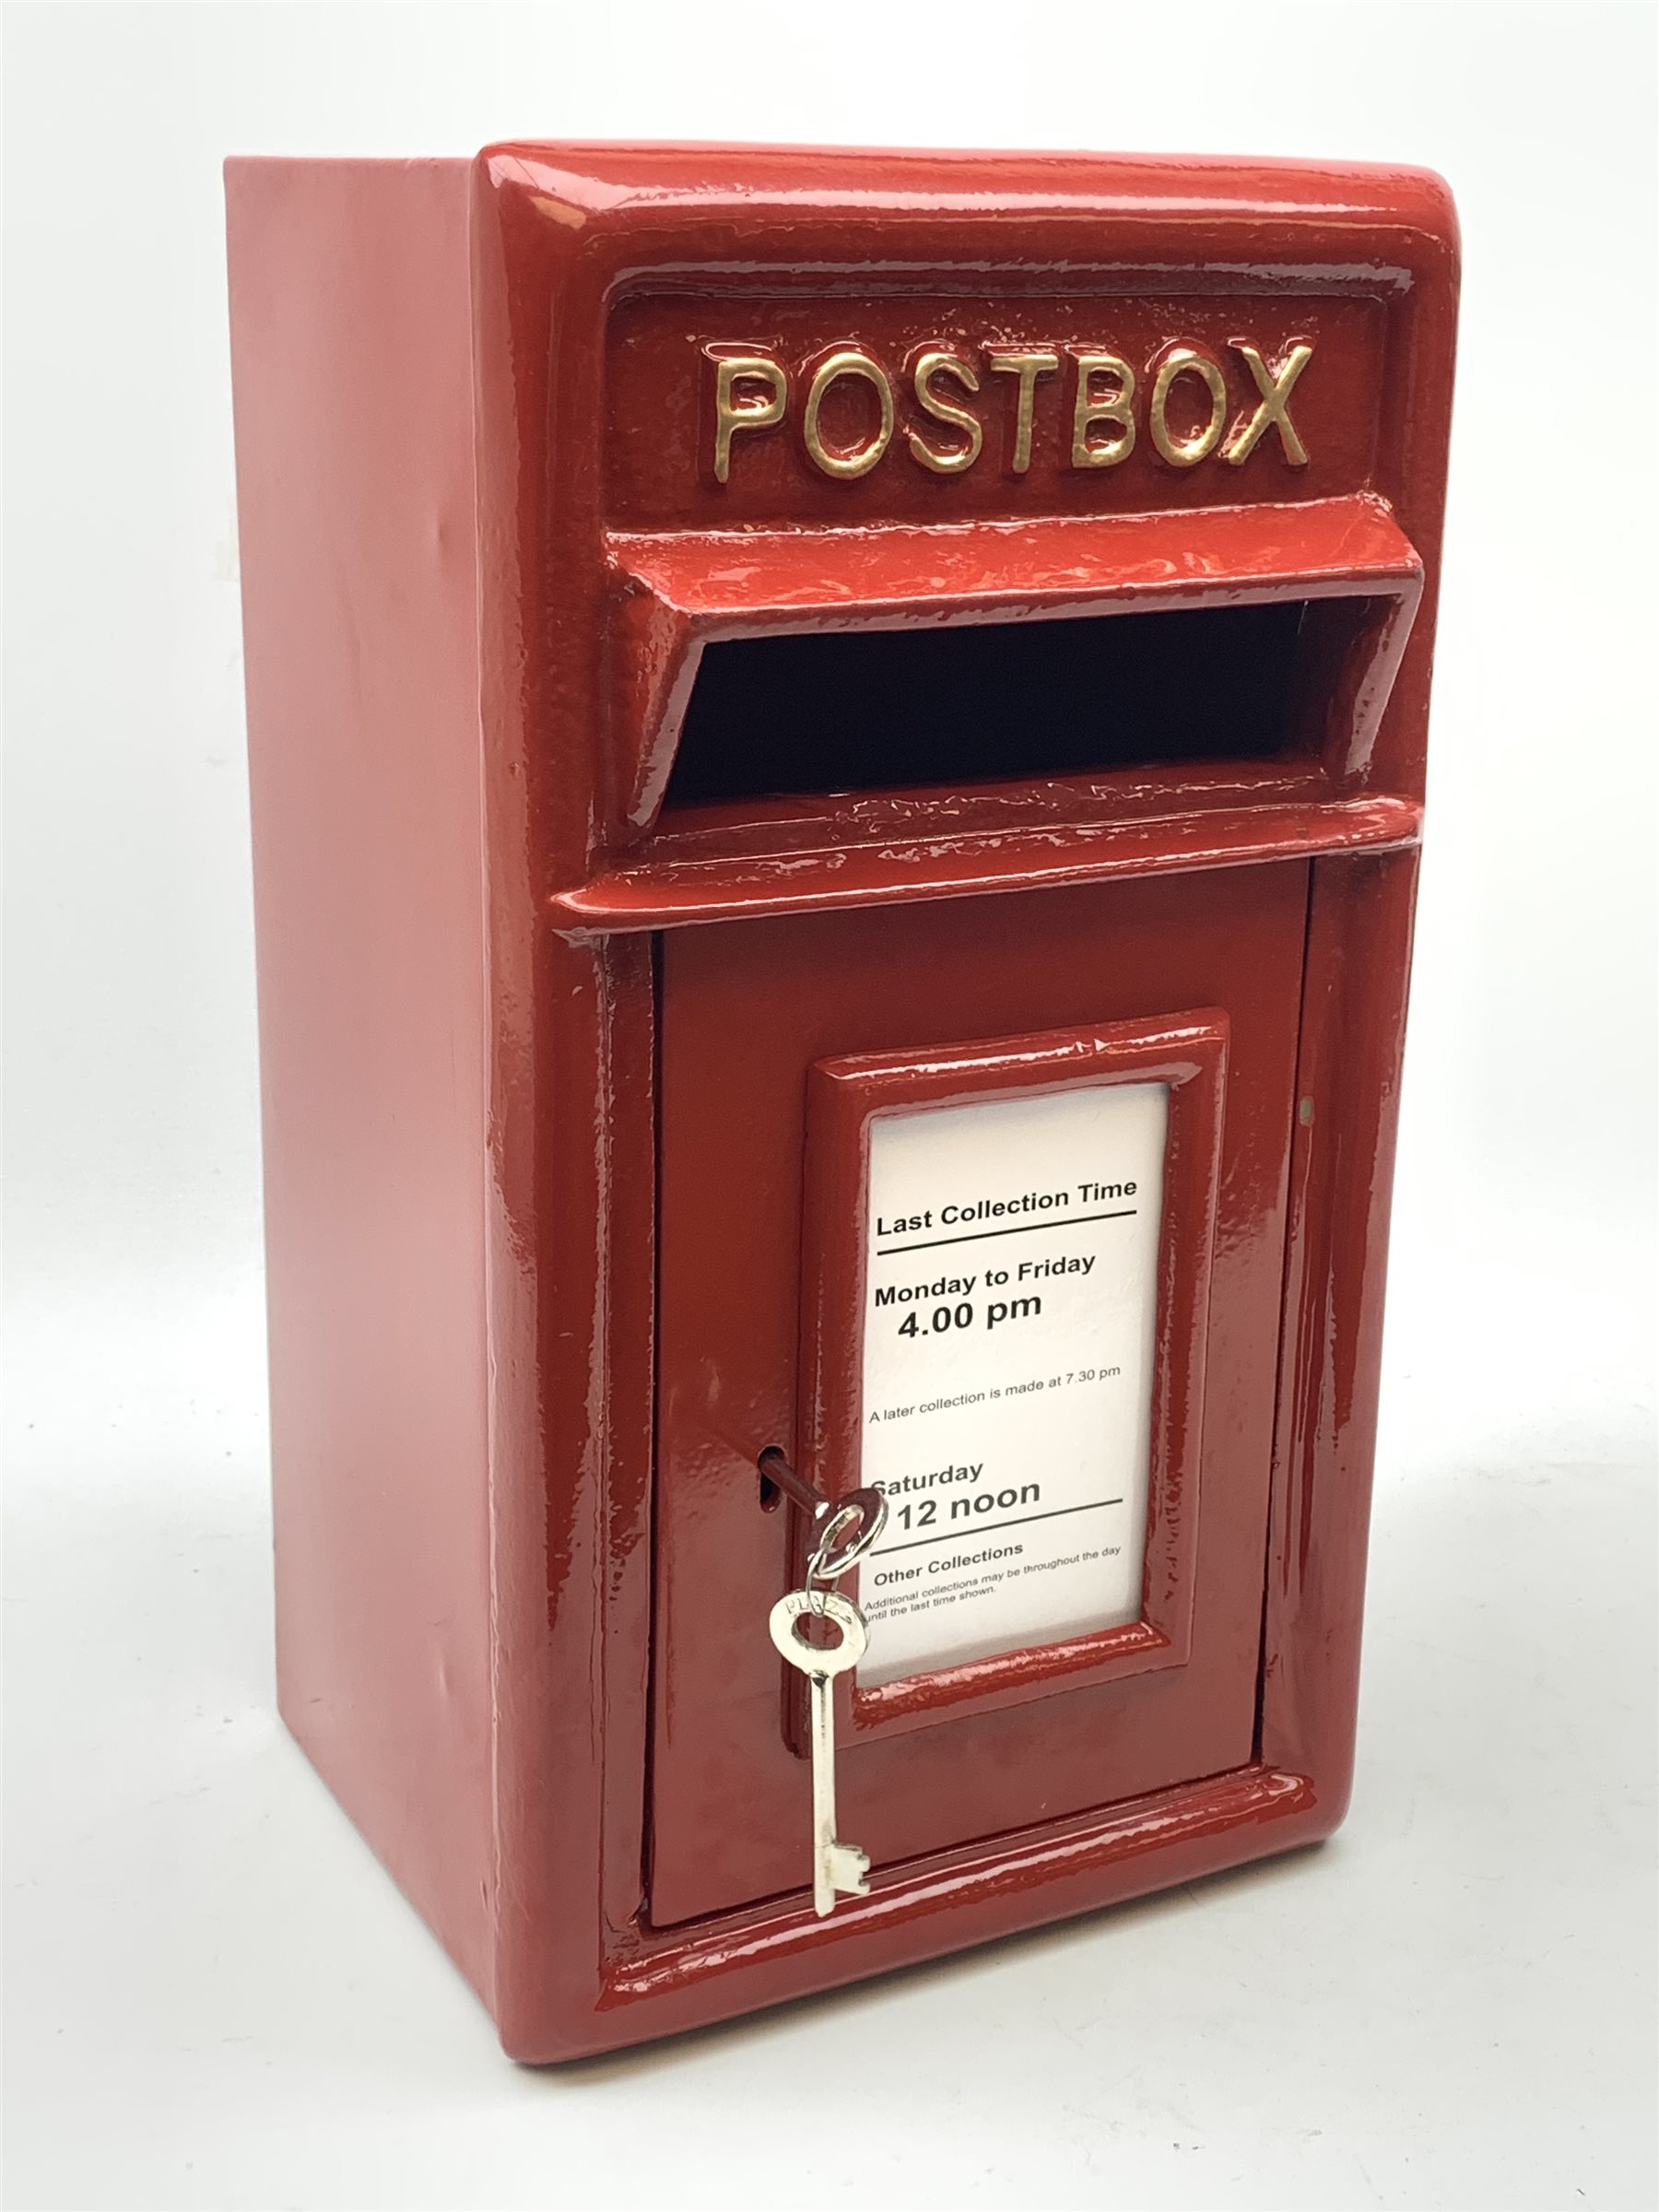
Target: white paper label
<point>1010,1306</point>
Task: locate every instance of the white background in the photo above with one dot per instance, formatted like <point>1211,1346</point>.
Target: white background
<point>1090,1436</point>
<point>217,1998</point>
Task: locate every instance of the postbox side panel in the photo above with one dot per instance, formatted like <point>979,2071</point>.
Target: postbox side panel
<point>746,1010</point>
<point>351,342</point>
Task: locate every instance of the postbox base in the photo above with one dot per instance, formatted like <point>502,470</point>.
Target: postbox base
<point>693,1978</point>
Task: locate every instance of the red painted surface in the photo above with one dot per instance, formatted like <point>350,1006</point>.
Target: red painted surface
<point>354,480</point>
<point>657,429</point>
<point>746,1010</point>
<point>691,589</point>
<point>474,960</point>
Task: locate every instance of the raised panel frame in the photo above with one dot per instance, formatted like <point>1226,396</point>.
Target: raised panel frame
<point>1185,1051</point>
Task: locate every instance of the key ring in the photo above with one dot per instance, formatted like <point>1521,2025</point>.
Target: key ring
<point>864,1510</point>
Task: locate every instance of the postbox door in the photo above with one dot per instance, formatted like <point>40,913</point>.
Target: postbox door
<point>747,1011</point>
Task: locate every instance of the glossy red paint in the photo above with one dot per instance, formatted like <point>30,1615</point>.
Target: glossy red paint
<point>354,481</point>
<point>741,1029</point>
<point>692,589</point>
<point>482,558</point>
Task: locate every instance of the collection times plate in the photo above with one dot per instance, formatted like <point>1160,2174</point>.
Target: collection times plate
<point>1010,1302</point>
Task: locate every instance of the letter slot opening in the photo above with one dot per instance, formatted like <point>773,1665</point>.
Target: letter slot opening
<point>876,708</point>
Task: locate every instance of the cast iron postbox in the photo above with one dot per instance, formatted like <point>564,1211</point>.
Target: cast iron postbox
<point>837,746</point>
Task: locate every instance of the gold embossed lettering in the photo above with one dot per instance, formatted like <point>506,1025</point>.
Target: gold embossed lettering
<point>953,459</point>
<point>732,411</point>
<point>1090,408</point>
<point>1183,360</point>
<point>847,360</point>
<point>1028,368</point>
<point>1276,385</point>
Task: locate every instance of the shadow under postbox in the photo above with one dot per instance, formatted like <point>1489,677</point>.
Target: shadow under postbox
<point>953,654</point>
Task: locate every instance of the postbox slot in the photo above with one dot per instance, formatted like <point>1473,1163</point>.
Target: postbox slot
<point>763,666</point>
<point>871,710</point>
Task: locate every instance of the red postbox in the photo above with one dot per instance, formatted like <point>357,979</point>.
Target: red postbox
<point>838,748</point>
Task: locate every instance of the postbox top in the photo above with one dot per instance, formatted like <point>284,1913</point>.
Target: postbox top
<point>612,180</point>
<point>742,392</point>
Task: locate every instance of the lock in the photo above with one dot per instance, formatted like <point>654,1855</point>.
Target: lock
<point>837,749</point>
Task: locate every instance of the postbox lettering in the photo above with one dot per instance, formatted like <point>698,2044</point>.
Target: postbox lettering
<point>734,412</point>
<point>1028,368</point>
<point>1182,452</point>
<point>1109,398</point>
<point>937,363</point>
<point>1275,385</point>
<point>1089,408</point>
<point>847,361</point>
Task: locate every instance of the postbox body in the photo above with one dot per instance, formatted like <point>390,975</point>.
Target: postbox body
<point>837,752</point>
